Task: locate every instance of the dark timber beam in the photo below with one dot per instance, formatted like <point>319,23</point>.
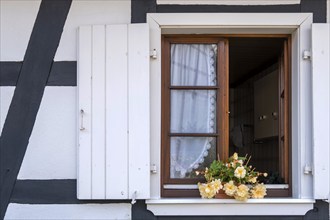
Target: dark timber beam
<point>141,7</point>
<point>31,83</point>
<point>63,191</point>
<point>317,7</point>
<point>63,73</point>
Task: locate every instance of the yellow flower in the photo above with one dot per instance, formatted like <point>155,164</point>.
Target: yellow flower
<point>242,193</point>
<point>265,174</point>
<point>259,191</point>
<point>217,185</point>
<point>230,188</point>
<point>207,190</point>
<point>240,172</point>
<point>253,179</point>
<point>235,156</point>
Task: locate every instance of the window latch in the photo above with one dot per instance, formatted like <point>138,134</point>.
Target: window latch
<point>153,54</point>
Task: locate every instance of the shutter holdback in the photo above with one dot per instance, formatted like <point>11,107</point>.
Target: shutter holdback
<point>134,197</point>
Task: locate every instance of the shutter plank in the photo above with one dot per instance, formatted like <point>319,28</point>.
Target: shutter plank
<point>84,103</point>
<point>321,110</point>
<point>98,112</point>
<point>139,115</point>
<point>117,112</point>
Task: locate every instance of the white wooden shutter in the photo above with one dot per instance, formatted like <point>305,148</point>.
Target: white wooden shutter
<point>113,108</point>
<point>321,110</point>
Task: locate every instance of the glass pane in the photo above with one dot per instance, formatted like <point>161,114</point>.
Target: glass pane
<point>193,111</point>
<point>189,154</point>
<point>193,64</point>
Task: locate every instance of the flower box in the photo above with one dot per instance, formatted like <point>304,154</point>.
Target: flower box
<point>234,178</point>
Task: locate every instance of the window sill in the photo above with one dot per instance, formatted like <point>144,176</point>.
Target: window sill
<point>213,207</point>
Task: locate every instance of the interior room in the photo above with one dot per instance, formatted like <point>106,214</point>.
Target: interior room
<point>254,66</point>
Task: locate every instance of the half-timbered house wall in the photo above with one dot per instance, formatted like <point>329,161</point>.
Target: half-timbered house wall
<point>38,101</point>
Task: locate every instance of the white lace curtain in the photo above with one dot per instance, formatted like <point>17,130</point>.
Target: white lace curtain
<point>192,111</point>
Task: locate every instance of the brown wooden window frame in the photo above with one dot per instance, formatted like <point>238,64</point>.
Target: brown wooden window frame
<point>222,112</point>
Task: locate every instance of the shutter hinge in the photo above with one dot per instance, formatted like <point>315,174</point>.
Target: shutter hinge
<point>153,169</point>
<point>153,54</point>
<point>308,169</point>
<point>307,55</point>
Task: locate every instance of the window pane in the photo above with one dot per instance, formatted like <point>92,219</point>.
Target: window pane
<point>189,154</point>
<point>193,111</point>
<point>193,64</point>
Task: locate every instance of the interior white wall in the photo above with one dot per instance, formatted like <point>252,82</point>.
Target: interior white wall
<point>16,23</point>
<point>69,211</point>
<point>86,13</point>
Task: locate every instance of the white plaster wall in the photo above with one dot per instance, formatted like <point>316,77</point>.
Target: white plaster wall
<point>16,23</point>
<point>75,211</point>
<point>90,12</point>
<point>6,94</point>
<point>51,153</point>
<point>17,18</point>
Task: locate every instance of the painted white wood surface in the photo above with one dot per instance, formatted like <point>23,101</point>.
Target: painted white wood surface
<point>139,112</point>
<point>117,112</point>
<point>98,112</point>
<point>114,153</point>
<point>229,2</point>
<point>84,113</point>
<point>222,20</point>
<point>69,211</point>
<point>155,107</point>
<point>229,207</point>
<point>321,109</point>
<point>302,138</point>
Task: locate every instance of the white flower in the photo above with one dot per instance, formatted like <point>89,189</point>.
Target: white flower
<point>230,188</point>
<point>242,193</point>
<point>259,191</point>
<point>253,179</point>
<point>240,172</point>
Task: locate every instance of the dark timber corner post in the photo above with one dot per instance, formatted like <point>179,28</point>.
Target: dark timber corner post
<point>38,60</point>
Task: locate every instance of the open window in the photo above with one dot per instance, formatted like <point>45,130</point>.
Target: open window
<point>220,95</point>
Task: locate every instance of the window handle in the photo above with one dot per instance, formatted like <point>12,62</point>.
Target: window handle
<point>82,120</point>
